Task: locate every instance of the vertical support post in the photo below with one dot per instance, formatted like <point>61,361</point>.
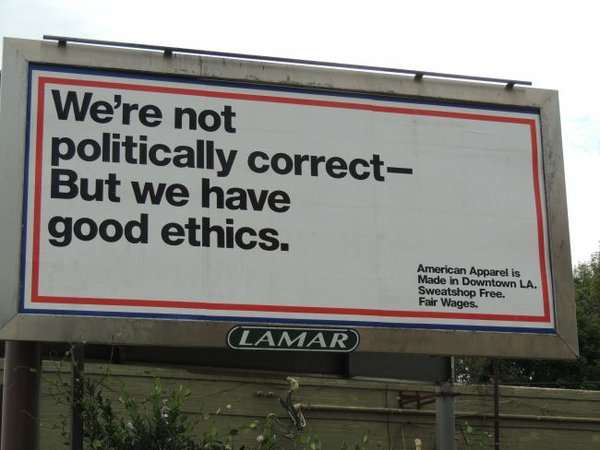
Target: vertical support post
<point>496,373</point>
<point>444,416</point>
<point>77,366</point>
<point>21,395</point>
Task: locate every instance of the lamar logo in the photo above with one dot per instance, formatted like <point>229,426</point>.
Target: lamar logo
<point>297,339</point>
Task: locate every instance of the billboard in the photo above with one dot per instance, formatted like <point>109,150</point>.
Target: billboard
<point>221,198</point>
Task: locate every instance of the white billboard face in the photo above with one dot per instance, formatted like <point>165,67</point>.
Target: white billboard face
<point>170,198</point>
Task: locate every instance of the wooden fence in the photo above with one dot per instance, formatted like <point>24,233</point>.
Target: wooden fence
<point>392,414</point>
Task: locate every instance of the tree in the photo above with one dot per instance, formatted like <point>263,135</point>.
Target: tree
<point>583,373</point>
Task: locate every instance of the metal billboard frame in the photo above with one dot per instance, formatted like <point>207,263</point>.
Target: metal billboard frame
<point>19,54</point>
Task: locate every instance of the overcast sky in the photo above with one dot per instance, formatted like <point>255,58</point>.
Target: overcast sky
<point>551,44</point>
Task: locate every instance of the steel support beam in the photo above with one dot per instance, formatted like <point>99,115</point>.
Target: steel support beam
<point>21,394</point>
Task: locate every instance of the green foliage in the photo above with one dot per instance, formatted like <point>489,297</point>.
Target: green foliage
<point>587,294</point>
<point>114,420</point>
<point>363,445</point>
<point>155,423</point>
<point>583,373</point>
<point>474,438</point>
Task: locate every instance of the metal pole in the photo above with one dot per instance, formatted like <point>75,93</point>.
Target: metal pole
<point>444,416</point>
<point>77,364</point>
<point>496,369</point>
<point>21,394</point>
<point>168,51</point>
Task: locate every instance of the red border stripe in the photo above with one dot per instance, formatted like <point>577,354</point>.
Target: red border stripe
<point>37,202</point>
<point>177,304</point>
<point>285,100</point>
<point>540,222</point>
<point>36,298</point>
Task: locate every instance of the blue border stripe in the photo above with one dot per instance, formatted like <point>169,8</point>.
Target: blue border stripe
<point>25,192</point>
<point>338,323</point>
<point>272,88</point>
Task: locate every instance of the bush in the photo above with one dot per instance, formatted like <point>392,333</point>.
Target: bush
<point>158,422</point>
